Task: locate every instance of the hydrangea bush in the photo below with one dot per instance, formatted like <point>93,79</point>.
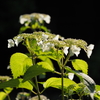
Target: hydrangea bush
<point>43,48</point>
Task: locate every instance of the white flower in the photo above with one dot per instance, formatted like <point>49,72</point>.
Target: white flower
<point>71,76</point>
<point>44,37</point>
<point>17,40</point>
<point>10,43</point>
<point>75,50</point>
<point>24,18</point>
<point>89,50</point>
<point>56,37</point>
<point>45,46</point>
<point>65,50</point>
<point>47,19</point>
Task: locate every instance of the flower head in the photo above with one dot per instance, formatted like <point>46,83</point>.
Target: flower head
<point>89,50</point>
<point>10,43</point>
<point>71,76</point>
<point>17,40</point>
<point>56,37</point>
<point>65,50</point>
<point>75,50</point>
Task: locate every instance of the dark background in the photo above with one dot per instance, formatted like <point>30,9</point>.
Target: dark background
<point>70,18</point>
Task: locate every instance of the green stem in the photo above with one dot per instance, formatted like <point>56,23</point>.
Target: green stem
<point>62,74</point>
<point>9,97</point>
<point>38,91</point>
<point>62,81</point>
<point>36,81</point>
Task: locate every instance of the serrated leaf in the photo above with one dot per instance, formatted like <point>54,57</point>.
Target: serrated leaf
<point>79,64</point>
<point>37,69</point>
<point>19,63</point>
<point>2,95</point>
<point>56,83</point>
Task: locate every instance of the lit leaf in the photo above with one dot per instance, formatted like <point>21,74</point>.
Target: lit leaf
<point>79,64</point>
<point>2,95</point>
<point>38,69</point>
<point>56,83</point>
<point>19,63</point>
<point>18,83</point>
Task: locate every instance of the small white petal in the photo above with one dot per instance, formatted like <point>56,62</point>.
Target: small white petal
<point>44,37</point>
<point>75,50</point>
<point>89,50</point>
<point>71,76</point>
<point>56,37</point>
<point>47,19</point>
<point>18,40</point>
<point>66,50</point>
<point>10,43</point>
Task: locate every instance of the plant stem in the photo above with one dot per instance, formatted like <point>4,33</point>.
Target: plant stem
<point>36,81</point>
<point>38,91</point>
<point>9,97</point>
<point>62,73</point>
<point>62,81</point>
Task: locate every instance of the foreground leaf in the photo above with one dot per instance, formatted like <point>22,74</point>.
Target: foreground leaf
<point>19,63</point>
<point>56,83</point>
<point>79,64</point>
<point>2,95</point>
<point>16,83</point>
<point>38,69</point>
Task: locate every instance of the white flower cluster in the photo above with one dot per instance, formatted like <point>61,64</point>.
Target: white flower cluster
<point>45,46</point>
<point>40,17</point>
<point>47,41</point>
<point>15,41</point>
<point>76,50</point>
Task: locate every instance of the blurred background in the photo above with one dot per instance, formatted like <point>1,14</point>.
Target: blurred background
<point>70,18</point>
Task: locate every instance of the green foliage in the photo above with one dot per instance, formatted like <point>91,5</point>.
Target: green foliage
<point>2,95</point>
<point>37,69</point>
<point>19,63</point>
<point>56,83</point>
<point>18,83</point>
<point>81,65</point>
<point>43,48</point>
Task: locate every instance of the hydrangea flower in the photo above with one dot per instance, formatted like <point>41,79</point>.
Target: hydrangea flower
<point>89,50</point>
<point>65,50</point>
<point>71,76</point>
<point>56,37</point>
<point>75,50</point>
<point>10,43</point>
<point>18,39</point>
<point>24,18</point>
<point>40,17</point>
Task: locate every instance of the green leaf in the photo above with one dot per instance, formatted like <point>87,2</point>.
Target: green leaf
<point>8,90</point>
<point>18,83</point>
<point>2,95</point>
<point>37,69</point>
<point>79,64</point>
<point>27,84</point>
<point>46,59</point>
<point>19,63</point>
<point>56,83</point>
<point>11,83</point>
<point>23,28</point>
<point>97,87</point>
